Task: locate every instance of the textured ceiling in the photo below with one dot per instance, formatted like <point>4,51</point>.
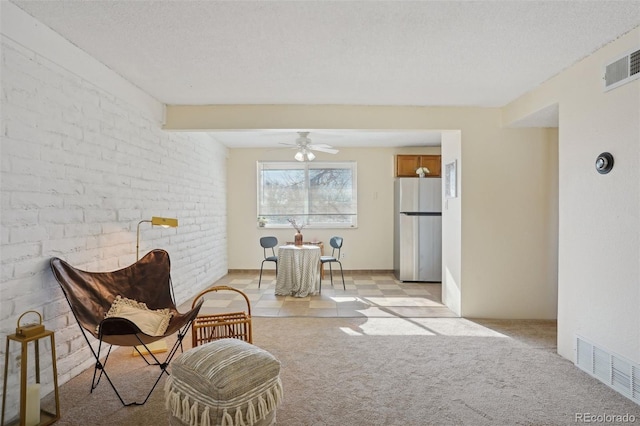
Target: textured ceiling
<point>423,53</point>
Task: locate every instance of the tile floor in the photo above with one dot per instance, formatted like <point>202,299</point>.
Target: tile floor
<point>374,295</point>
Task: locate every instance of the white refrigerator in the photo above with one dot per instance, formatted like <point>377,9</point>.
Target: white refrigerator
<point>418,229</point>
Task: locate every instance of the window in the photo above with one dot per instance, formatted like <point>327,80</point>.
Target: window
<point>318,194</point>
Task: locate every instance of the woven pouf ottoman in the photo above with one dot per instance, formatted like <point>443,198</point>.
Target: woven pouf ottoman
<point>227,382</point>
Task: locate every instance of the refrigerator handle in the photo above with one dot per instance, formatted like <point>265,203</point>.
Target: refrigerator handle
<point>421,213</point>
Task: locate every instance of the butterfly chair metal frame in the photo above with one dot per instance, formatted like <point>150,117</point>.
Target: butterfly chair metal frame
<point>336,244</point>
<point>268,243</point>
<point>90,295</point>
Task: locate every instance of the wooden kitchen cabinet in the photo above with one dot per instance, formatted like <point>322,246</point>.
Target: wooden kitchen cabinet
<point>406,165</point>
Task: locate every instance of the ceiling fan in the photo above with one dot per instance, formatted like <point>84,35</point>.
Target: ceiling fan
<point>305,147</point>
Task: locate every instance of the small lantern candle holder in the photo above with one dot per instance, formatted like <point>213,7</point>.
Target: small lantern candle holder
<point>30,411</point>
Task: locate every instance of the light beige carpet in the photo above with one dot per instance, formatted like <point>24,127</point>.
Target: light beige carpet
<point>389,371</point>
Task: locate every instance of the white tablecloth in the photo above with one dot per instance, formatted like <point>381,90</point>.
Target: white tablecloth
<point>298,270</point>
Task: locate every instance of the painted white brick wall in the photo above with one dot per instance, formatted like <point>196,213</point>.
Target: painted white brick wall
<point>80,168</point>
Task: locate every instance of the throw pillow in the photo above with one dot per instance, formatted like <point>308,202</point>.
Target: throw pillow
<point>150,322</point>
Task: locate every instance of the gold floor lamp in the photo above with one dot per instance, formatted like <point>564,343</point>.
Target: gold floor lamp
<point>166,222</point>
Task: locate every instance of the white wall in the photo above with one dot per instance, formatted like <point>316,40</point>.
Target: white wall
<point>506,234</point>
<point>81,165</point>
<point>452,225</point>
<point>599,226</point>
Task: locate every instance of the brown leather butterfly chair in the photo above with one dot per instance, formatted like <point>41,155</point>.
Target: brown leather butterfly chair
<point>90,295</point>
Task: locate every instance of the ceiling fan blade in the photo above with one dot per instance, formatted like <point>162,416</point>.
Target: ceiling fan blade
<point>321,148</point>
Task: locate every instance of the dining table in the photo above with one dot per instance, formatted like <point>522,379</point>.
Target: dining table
<point>314,243</point>
<point>298,270</point>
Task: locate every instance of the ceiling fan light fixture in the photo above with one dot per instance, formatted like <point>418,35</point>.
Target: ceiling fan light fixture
<point>304,155</point>
<point>305,147</point>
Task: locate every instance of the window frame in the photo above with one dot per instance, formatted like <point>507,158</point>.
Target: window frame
<point>306,166</point>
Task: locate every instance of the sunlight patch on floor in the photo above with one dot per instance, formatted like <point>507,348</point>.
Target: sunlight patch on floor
<point>452,327</point>
<point>374,311</point>
<point>344,299</point>
<point>388,327</point>
<point>402,301</point>
<point>457,327</point>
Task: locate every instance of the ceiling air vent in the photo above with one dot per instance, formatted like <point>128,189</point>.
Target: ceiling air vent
<point>622,70</point>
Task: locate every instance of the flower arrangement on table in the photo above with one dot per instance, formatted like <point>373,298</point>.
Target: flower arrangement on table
<point>422,171</point>
<point>297,226</point>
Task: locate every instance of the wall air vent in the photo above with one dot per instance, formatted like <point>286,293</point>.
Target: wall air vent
<point>613,370</point>
<point>622,70</point>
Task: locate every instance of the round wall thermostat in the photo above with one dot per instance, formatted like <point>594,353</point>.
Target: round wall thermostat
<point>604,163</point>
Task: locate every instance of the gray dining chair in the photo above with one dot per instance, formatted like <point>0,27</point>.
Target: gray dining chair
<point>268,243</point>
<point>336,246</point>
